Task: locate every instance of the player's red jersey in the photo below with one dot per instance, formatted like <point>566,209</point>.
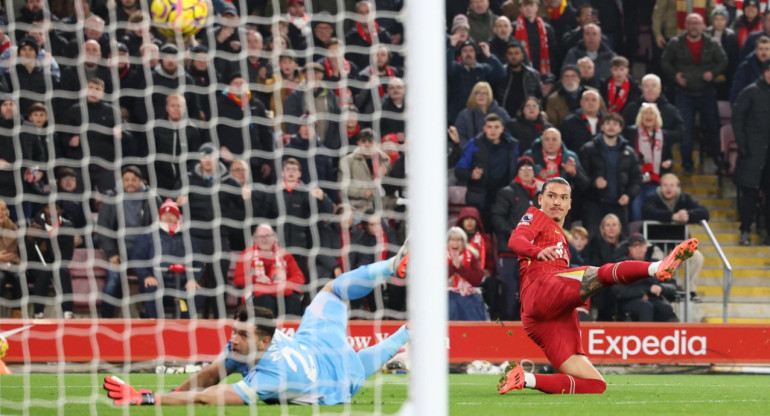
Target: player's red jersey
<point>535,232</point>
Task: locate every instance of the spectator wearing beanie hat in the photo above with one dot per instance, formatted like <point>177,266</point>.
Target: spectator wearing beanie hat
<point>463,75</point>
<point>177,268</point>
<point>31,77</point>
<point>565,99</point>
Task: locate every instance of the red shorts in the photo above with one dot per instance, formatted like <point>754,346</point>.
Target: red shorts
<point>549,315</point>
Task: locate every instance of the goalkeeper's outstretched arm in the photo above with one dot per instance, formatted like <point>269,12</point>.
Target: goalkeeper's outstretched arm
<point>209,376</point>
<point>221,394</point>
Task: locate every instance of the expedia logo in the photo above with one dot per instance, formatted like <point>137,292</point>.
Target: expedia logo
<point>677,344</point>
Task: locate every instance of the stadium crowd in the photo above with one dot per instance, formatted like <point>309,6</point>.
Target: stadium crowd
<point>266,154</point>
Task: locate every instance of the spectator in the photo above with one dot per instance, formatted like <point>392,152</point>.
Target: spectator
<point>95,139</point>
<point>364,33</point>
<point>614,174</point>
<point>377,78</point>
<point>521,80</point>
<point>750,21</point>
<point>538,37</point>
<point>488,163</point>
<point>729,41</point>
<point>669,19</point>
<point>92,68</point>
<point>299,202</point>
<point>461,29</point>
<point>529,123</point>
<point>587,70</point>
<point>43,255</point>
<point>327,107</point>
<point>501,38</point>
<point>258,66</point>
<point>323,32</point>
<point>9,259</point>
<point>566,98</point>
<point>168,78</point>
<point>175,269</point>
<point>561,15</point>
<point>694,61</point>
<point>510,205</point>
<point>751,41</point>
<point>752,172</point>
<point>227,37</point>
<point>70,198</point>
<point>120,223</point>
<point>645,300</point>
<point>316,164</point>
<point>32,12</point>
<point>673,126</point>
<point>198,69</point>
<point>270,275</point>
<point>34,151</point>
<point>470,222</point>
<point>336,238</point>
<point>731,7</point>
<point>750,69</point>
<point>602,247</point>
<point>249,206</point>
<point>299,27</point>
<point>244,133</point>
<point>481,20</point>
<point>579,241</point>
<point>481,103</point>
<point>373,242</point>
<point>396,196</point>
<point>123,12</point>
<point>592,47</point>
<point>173,140</point>
<point>44,58</point>
<point>552,158</point>
<point>285,80</point>
<point>93,30</point>
<point>654,151</point>
<point>465,276</point>
<point>620,88</point>
<point>548,81</point>
<point>130,78</point>
<point>8,153</point>
<point>393,107</point>
<point>337,70</point>
<point>582,125</point>
<point>464,75</point>
<point>33,81</point>
<point>585,14</point>
<point>209,200</point>
<point>361,172</point>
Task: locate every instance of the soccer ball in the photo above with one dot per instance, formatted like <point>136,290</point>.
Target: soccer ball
<point>185,17</point>
<point>3,347</point>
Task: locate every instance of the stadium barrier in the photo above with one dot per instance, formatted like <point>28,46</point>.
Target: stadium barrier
<point>192,341</point>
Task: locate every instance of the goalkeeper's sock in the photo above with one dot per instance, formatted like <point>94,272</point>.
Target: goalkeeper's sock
<point>624,272</point>
<point>357,283</point>
<point>564,384</point>
<point>376,356</point>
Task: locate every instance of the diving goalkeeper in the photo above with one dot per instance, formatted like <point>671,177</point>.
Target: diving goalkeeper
<point>316,366</point>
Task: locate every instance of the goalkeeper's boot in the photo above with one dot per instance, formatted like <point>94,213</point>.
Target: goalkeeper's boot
<point>512,380</point>
<point>399,262</point>
<point>678,255</point>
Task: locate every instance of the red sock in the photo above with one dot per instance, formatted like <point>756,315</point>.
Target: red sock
<point>623,273</point>
<point>564,384</point>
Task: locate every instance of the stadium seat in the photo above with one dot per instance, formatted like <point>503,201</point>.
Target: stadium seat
<point>725,112</point>
<point>729,147</point>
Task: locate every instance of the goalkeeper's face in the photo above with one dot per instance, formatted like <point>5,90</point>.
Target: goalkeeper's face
<point>247,345</point>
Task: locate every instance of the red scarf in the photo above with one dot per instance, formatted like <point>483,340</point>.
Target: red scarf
<point>382,242</point>
<point>238,99</point>
<point>5,45</point>
<point>289,187</point>
<point>365,34</point>
<point>615,99</point>
<point>467,258</point>
<point>552,167</point>
<point>125,71</point>
<point>521,35</point>
<point>390,74</point>
<point>651,151</point>
<point>355,131</point>
<point>531,189</point>
<point>347,97</point>
<point>457,283</point>
<point>344,257</point>
<point>556,13</point>
<point>588,124</point>
<point>477,241</point>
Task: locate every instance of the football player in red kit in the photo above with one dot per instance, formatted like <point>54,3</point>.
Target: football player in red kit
<point>550,292</point>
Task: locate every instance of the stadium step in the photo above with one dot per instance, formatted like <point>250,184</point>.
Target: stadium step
<point>711,312</point>
<point>721,236</point>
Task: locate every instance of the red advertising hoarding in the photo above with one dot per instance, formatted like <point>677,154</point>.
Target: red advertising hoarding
<point>181,340</point>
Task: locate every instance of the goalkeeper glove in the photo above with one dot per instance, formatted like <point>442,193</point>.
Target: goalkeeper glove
<point>124,393</point>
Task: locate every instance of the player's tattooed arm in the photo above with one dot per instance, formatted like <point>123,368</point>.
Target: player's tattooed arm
<point>590,284</point>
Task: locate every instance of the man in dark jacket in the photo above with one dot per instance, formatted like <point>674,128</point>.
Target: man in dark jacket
<point>306,146</point>
<point>132,213</point>
<point>463,75</point>
<point>521,80</point>
<point>33,81</point>
<point>326,102</point>
<point>364,34</point>
<point>488,163</point>
<point>243,132</point>
<point>593,47</point>
<point>169,77</point>
<point>511,204</point>
<point>673,125</point>
<point>173,139</point>
<point>693,61</point>
<point>166,265</point>
<point>751,125</point>
<point>751,68</point>
<point>498,43</point>
<point>70,78</point>
<point>8,153</point>
<point>582,125</point>
<point>614,172</point>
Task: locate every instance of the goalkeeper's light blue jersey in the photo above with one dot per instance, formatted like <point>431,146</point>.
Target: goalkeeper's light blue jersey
<point>316,366</point>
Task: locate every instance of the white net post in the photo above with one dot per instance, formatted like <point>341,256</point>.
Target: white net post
<point>428,383</point>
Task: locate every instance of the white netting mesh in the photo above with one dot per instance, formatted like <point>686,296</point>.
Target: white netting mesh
<point>109,227</point>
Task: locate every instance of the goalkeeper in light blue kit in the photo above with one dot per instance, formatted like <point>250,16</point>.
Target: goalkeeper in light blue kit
<point>316,366</point>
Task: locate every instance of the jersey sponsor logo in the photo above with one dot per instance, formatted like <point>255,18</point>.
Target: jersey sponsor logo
<point>676,344</point>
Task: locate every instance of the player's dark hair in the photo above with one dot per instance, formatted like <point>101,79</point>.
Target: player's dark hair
<point>263,318</point>
<point>558,180</point>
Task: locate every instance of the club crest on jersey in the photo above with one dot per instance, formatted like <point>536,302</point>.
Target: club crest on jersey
<point>526,219</point>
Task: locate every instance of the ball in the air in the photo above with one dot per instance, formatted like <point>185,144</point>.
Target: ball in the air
<point>184,17</point>
<point>3,347</point>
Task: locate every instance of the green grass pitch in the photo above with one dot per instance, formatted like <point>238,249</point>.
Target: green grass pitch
<point>75,394</point>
